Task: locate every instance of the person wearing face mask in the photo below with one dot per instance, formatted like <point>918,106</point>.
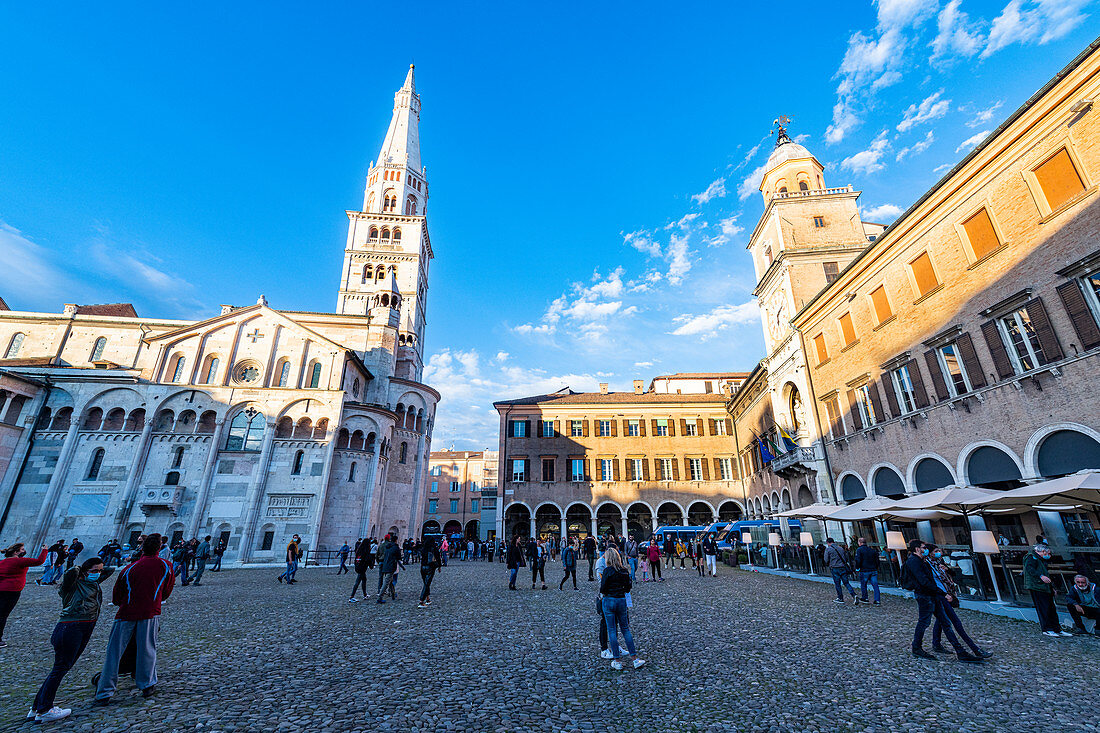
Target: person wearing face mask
<point>1039,584</point>
<point>945,582</point>
<point>81,601</point>
<point>13,579</point>
<point>916,575</point>
<point>1082,603</point>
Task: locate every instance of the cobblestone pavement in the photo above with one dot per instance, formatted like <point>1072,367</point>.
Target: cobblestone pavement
<point>743,652</point>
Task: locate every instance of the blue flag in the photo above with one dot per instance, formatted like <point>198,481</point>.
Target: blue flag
<point>765,454</point>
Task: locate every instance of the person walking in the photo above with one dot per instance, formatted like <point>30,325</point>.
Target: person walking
<point>202,554</point>
<point>344,550</point>
<point>391,561</point>
<point>950,601</point>
<point>836,559</point>
<point>179,563</point>
<point>538,563</point>
<point>866,564</point>
<point>430,562</point>
<point>670,551</point>
<point>916,575</point>
<point>1082,602</point>
<point>710,552</point>
<point>141,587</point>
<point>569,564</point>
<point>653,552</point>
<point>615,588</point>
<point>218,552</point>
<point>74,551</point>
<point>590,553</point>
<point>292,554</point>
<point>630,549</point>
<point>1037,582</point>
<point>13,579</point>
<point>81,601</point>
<point>54,564</point>
<point>362,565</point>
<point>515,561</point>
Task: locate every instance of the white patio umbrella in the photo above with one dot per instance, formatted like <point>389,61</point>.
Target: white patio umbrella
<point>813,511</point>
<point>952,499</point>
<point>1068,493</point>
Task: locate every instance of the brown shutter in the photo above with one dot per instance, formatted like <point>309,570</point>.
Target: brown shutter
<point>888,386</point>
<point>699,426</point>
<point>729,426</point>
<point>1078,311</point>
<point>654,427</point>
<point>538,428</point>
<point>683,426</point>
<point>527,469</point>
<point>918,384</point>
<point>970,360</point>
<point>672,428</point>
<point>857,419</point>
<point>615,469</point>
<point>876,400</point>
<point>1001,361</point>
<point>938,382</point>
<point>675,469</point>
<point>588,467</point>
<point>1037,312</point>
<point>595,428</point>
<point>614,428</point>
<point>557,429</point>
<point>717,469</point>
<point>838,421</point>
<point>645,469</point>
<point>706,468</point>
<point>584,428</point>
<point>641,427</point>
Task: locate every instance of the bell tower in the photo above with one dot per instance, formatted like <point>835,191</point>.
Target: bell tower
<point>388,245</point>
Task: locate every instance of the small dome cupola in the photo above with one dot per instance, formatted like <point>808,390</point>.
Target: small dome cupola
<point>791,168</point>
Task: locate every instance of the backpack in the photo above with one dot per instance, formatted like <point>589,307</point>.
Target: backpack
<point>380,553</point>
<point>906,579</point>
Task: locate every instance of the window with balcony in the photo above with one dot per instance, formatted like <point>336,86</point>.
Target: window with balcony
<point>1022,342</point>
<point>954,370</point>
<point>864,405</point>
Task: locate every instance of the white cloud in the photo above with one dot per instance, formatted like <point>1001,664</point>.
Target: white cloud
<point>716,190</point>
<point>956,36</point>
<point>942,168</point>
<point>643,364</point>
<point>748,156</point>
<point>882,214</point>
<point>28,279</point>
<point>984,116</point>
<point>916,148</point>
<point>676,254</point>
<point>718,319</point>
<point>684,222</point>
<point>971,141</point>
<point>930,108</point>
<point>728,229</point>
<point>751,183</point>
<point>679,259</point>
<point>869,160</point>
<point>587,308</point>
<point>501,357</point>
<point>643,242</point>
<point>1033,21</point>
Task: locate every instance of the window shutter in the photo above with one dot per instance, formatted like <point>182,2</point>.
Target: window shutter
<point>717,468</point>
<point>838,421</point>
<point>713,425</point>
<point>584,428</point>
<point>970,360</point>
<point>527,428</point>
<point>615,469</point>
<point>876,400</point>
<point>654,423</point>
<point>1052,350</point>
<point>706,468</point>
<point>641,427</point>
<point>857,419</point>
<point>557,429</point>
<point>1078,311</point>
<point>538,428</point>
<point>891,397</point>
<point>672,428</point>
<point>919,391</point>
<point>683,426</point>
<point>645,469</point>
<point>997,349</point>
<point>675,469</point>
<point>938,382</point>
<point>526,469</point>
<point>699,426</point>
<point>595,428</point>
<point>729,426</point>
<point>588,466</point>
<point>615,429</point>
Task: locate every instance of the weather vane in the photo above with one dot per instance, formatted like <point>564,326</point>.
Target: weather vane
<point>780,130</point>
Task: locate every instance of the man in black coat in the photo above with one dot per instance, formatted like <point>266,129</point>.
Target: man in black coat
<point>590,553</point>
<point>916,575</point>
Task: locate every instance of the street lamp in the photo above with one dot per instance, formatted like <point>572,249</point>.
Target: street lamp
<point>746,540</point>
<point>986,544</point>
<point>774,540</point>
<point>896,541</point>
<point>807,541</point>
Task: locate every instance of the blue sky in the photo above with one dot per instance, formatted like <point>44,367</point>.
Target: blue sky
<point>592,168</point>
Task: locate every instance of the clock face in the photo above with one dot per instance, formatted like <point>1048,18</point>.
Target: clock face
<point>779,319</point>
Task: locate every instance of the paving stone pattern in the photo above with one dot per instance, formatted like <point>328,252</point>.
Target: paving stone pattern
<point>743,652</point>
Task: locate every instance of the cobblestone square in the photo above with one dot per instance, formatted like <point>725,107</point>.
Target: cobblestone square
<point>743,652</point>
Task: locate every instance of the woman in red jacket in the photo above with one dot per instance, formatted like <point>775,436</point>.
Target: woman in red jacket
<point>13,578</point>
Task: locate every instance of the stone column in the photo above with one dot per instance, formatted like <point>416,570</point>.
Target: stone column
<point>533,528</point>
<point>625,528</point>
<point>593,523</point>
<point>314,540</point>
<point>372,471</point>
<point>7,486</point>
<point>416,511</point>
<point>53,491</point>
<point>256,495</point>
<point>207,477</point>
<point>564,530</point>
<point>133,480</point>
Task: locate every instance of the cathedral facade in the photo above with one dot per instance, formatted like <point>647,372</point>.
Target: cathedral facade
<point>250,426</point>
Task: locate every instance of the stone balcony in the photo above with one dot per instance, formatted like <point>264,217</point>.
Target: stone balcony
<point>798,461</point>
<point>160,498</point>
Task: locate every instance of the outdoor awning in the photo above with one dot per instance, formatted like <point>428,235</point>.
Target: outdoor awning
<point>813,511</point>
<point>951,499</point>
<point>1068,493</point>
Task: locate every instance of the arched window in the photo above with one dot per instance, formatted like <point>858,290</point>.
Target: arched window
<point>283,373</point>
<point>370,202</point>
<point>212,363</point>
<point>410,206</point>
<point>96,464</point>
<point>385,235</point>
<point>404,454</point>
<point>246,432</point>
<point>351,472</point>
<point>373,236</point>
<point>381,273</point>
<point>296,467</point>
<point>179,361</point>
<point>803,186</point>
<point>396,234</point>
<point>97,349</point>
<point>285,427</point>
<point>368,273</point>
<point>177,457</point>
<point>15,345</point>
<point>315,375</point>
<point>783,189</point>
<point>172,479</point>
<point>93,420</point>
<point>115,420</point>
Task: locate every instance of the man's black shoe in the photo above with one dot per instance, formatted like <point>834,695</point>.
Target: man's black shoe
<point>984,654</point>
<point>970,659</point>
<point>149,691</point>
<point>939,648</point>
<point>100,702</point>
<point>921,654</point>
<point>280,579</point>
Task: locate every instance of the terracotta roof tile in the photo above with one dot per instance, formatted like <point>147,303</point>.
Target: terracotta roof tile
<point>122,310</point>
<point>612,398</point>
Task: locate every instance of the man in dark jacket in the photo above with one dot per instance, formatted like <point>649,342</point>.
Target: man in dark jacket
<point>590,553</point>
<point>515,561</point>
<point>1037,581</point>
<point>569,563</point>
<point>710,552</point>
<point>916,575</point>
<point>1082,603</point>
<point>866,564</point>
<point>391,559</point>
<point>836,560</point>
<point>138,592</point>
<point>202,554</point>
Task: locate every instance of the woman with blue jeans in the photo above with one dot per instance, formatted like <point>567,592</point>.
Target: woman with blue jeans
<point>615,586</point>
<point>515,561</point>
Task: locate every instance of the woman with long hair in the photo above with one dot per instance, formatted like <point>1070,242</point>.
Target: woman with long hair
<point>614,590</point>
<point>13,579</point>
<point>515,561</point>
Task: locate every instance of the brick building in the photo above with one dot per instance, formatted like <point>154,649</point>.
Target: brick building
<point>456,491</point>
